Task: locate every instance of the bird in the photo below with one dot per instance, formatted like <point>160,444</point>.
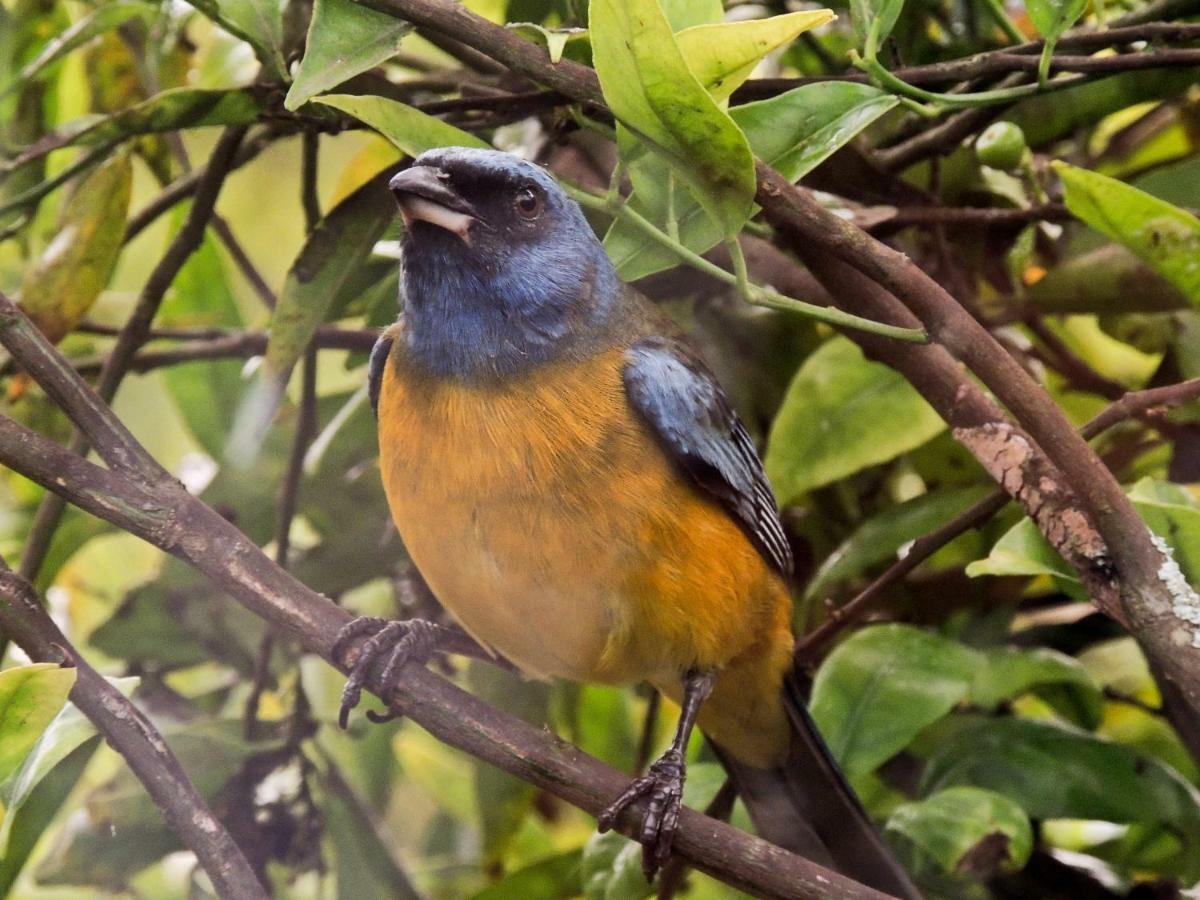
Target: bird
<point>571,482</point>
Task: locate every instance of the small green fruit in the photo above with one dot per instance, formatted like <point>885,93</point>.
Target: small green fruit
<point>1001,146</point>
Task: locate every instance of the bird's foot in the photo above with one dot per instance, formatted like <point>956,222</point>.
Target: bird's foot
<point>662,785</point>
<point>395,643</point>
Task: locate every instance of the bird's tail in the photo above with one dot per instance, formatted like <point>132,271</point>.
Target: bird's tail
<point>807,806</point>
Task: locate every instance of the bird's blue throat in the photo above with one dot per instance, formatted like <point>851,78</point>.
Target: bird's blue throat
<point>484,319</point>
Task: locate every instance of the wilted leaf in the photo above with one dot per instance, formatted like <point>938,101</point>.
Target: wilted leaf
<point>882,687</point>
<point>794,132</point>
<point>841,414</point>
<point>723,55</point>
<point>650,90</point>
<point>966,829</point>
<point>879,538</point>
<point>60,288</point>
<point>1161,234</point>
<point>30,697</point>
<point>1061,773</point>
<point>411,130</point>
<point>344,40</point>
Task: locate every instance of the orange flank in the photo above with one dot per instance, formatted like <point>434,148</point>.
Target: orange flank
<point>548,521</point>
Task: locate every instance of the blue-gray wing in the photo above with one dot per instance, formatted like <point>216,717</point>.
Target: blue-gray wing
<point>670,386</point>
<point>375,366</point>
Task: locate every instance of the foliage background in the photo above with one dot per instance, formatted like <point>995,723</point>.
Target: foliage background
<point>1007,735</point>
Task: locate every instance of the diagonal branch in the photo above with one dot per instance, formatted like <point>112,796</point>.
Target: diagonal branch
<point>133,736</point>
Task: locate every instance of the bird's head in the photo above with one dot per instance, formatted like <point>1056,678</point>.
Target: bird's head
<point>500,265</point>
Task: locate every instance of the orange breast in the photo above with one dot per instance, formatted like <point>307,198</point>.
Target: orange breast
<point>545,517</point>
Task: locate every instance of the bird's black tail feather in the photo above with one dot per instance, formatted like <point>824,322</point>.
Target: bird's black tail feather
<point>807,806</point>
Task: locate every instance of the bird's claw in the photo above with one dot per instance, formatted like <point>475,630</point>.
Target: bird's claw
<point>398,643</point>
<point>662,785</point>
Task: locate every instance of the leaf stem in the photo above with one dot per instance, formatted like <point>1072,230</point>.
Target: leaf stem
<point>739,278</point>
<point>886,79</point>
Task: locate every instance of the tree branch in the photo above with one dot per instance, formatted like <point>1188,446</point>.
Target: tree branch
<point>132,735</point>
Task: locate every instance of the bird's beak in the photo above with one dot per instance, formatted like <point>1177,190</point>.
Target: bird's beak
<point>424,193</point>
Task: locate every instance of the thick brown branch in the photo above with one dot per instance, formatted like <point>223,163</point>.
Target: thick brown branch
<point>132,735</point>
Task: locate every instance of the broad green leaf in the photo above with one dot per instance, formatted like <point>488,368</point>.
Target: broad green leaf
<point>1022,551</point>
<point>966,829</point>
<point>598,720</point>
<point>689,13</point>
<point>258,22</point>
<point>843,413</point>
<point>60,288</point>
<point>874,15</point>
<point>344,40</point>
<point>881,537</point>
<point>723,55</point>
<point>1162,235</point>
<point>104,18</point>
<point>333,253</point>
<point>24,827</point>
<point>651,91</point>
<point>1007,672</point>
<point>1055,772</point>
<point>69,729</point>
<point>411,130</point>
<point>365,864</point>
<point>611,869</point>
<point>206,392</point>
<point>555,40</point>
<point>794,132</point>
<point>883,686</point>
<point>30,697</point>
<point>1052,17</point>
<point>553,878</point>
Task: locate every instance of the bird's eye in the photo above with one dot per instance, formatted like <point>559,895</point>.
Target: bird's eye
<point>528,203</point>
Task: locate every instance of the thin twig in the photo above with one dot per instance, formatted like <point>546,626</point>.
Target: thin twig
<point>131,734</point>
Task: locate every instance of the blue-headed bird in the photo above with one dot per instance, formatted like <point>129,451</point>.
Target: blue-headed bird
<point>573,485</point>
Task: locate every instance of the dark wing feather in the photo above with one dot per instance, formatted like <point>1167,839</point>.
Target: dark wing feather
<point>379,357</point>
<point>672,388</point>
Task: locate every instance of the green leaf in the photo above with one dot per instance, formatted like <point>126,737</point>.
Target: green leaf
<point>651,91</point>
<point>344,40</point>
<point>258,22</point>
<point>335,251</point>
<point>411,130</point>
<point>883,686</point>
<point>1055,772</point>
<point>1163,236</point>
<point>555,40</point>
<point>966,829</point>
<point>794,132</point>
<point>30,697</point>
<point>553,878</point>
<point>1052,17</point>
<point>689,13</point>
<point>1008,672</point>
<point>104,18</point>
<point>24,827</point>
<point>841,414</point>
<point>881,537</point>
<point>60,288</point>
<point>723,55</point>
<point>878,16</point>
<point>611,869</point>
